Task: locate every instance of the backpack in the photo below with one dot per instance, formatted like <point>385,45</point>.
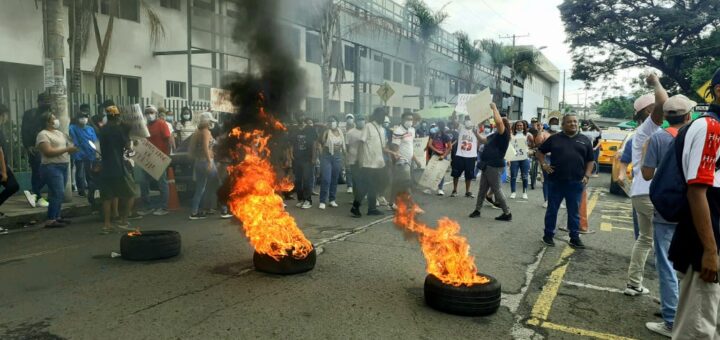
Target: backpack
<point>668,190</point>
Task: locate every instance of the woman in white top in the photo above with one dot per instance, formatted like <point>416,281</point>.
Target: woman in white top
<point>521,140</point>
<point>185,127</point>
<point>333,150</point>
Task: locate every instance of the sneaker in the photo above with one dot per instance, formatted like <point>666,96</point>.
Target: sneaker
<point>300,204</point>
<point>333,204</point>
<point>374,213</point>
<point>225,216</point>
<point>475,214</point>
<point>577,243</point>
<point>30,198</point>
<point>525,196</point>
<point>349,190</point>
<point>512,196</point>
<point>544,205</point>
<point>4,231</point>
<point>427,192</point>
<point>41,202</point>
<point>469,195</point>
<point>631,290</point>
<point>198,216</point>
<point>504,217</point>
<point>145,212</point>
<point>549,241</point>
<point>587,232</point>
<point>659,328</point>
<point>134,216</point>
<point>382,201</point>
<point>440,192</point>
<point>355,212</point>
<point>321,206</point>
<point>160,212</point>
<point>453,194</point>
<point>306,205</point>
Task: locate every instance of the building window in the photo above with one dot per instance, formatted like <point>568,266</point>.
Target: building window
<point>408,74</point>
<point>293,40</point>
<point>312,48</point>
<point>126,9</point>
<point>350,58</point>
<point>349,107</point>
<point>313,106</point>
<point>172,4</point>
<point>175,89</point>
<point>203,93</point>
<point>387,69</point>
<point>397,72</point>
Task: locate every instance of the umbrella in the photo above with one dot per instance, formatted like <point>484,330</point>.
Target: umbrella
<point>437,110</point>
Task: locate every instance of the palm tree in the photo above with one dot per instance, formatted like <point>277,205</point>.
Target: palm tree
<point>428,24</point>
<point>470,55</point>
<point>526,62</point>
<point>500,56</point>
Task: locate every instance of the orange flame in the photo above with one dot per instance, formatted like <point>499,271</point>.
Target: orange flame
<point>255,202</point>
<point>447,253</point>
<point>135,232</point>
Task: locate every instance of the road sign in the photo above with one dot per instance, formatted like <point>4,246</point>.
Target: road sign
<point>702,91</point>
<point>385,92</point>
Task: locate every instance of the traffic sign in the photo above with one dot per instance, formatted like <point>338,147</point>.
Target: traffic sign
<point>385,92</point>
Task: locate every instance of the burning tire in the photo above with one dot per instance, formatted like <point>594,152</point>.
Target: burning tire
<point>287,265</point>
<point>150,245</point>
<point>475,300</point>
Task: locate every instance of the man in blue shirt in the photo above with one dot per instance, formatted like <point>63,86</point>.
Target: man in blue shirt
<point>82,135</point>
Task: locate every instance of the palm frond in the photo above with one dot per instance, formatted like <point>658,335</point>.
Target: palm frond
<point>157,29</point>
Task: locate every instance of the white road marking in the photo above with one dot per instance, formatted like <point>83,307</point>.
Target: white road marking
<point>40,253</point>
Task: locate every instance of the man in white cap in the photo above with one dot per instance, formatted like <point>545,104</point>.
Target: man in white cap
<point>677,112</point>
<point>160,138</point>
<point>651,106</point>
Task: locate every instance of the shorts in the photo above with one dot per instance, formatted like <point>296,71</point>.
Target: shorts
<point>117,187</point>
<point>463,164</point>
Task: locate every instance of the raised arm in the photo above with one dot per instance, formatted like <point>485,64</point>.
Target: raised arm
<point>661,96</point>
<point>498,119</point>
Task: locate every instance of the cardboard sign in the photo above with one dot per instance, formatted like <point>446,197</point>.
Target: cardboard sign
<point>478,107</point>
<point>137,122</point>
<point>434,172</point>
<point>419,145</point>
<point>221,101</point>
<point>150,158</point>
<point>462,100</point>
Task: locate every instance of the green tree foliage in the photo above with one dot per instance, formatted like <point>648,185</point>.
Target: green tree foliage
<point>673,36</point>
<point>428,24</point>
<point>616,107</point>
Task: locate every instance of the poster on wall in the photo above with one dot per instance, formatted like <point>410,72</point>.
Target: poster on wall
<point>434,172</point>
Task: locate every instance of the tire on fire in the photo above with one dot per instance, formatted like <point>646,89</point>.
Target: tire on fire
<point>475,300</point>
<point>150,245</point>
<point>287,265</point>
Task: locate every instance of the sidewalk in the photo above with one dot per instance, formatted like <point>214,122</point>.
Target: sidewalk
<point>19,214</point>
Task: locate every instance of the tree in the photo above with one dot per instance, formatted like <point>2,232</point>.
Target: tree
<point>500,57</point>
<point>329,12</point>
<point>428,24</point>
<point>672,36</point>
<point>616,107</point>
<point>470,56</point>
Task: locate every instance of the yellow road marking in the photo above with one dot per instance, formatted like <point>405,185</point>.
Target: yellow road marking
<point>592,202</point>
<point>621,219</point>
<point>542,306</point>
<point>605,226</point>
<point>576,331</point>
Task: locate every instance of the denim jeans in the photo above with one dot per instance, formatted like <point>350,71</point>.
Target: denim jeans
<point>571,192</point>
<point>37,181</point>
<point>304,179</point>
<point>84,179</point>
<point>162,185</point>
<point>201,178</point>
<point>667,277</point>
<point>330,166</point>
<point>55,176</point>
<point>524,168</point>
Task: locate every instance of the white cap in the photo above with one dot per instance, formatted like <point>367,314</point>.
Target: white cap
<point>643,102</point>
<point>349,116</point>
<point>679,105</point>
<point>151,108</point>
<point>208,117</point>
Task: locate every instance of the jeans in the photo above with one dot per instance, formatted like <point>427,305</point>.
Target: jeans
<point>583,212</point>
<point>348,176</point>
<point>571,192</point>
<point>202,173</point>
<point>162,185</point>
<point>524,168</point>
<point>55,176</point>
<point>667,277</point>
<point>37,181</point>
<point>84,179</point>
<point>368,185</point>
<point>304,180</point>
<point>644,242</point>
<point>330,166</point>
<point>10,187</point>
<point>490,180</point>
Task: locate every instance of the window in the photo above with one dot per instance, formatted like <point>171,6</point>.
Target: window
<point>349,107</point>
<point>172,4</point>
<point>292,40</point>
<point>175,89</point>
<point>453,86</point>
<point>203,93</point>
<point>131,87</point>
<point>408,75</point>
<point>387,69</point>
<point>350,58</point>
<point>313,106</point>
<point>312,48</point>
<point>126,9</point>
<point>397,72</point>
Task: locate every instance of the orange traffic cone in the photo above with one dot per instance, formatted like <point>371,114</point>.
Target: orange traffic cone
<point>173,200</point>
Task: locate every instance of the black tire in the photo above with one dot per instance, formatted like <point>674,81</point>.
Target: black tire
<point>287,265</point>
<point>476,300</point>
<point>150,245</point>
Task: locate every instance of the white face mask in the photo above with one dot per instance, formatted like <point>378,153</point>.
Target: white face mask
<point>56,123</point>
<point>333,125</point>
<point>555,127</point>
<point>82,121</point>
<point>151,117</point>
<point>408,124</point>
<point>350,121</point>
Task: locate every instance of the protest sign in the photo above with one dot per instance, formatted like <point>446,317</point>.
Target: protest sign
<point>136,120</point>
<point>434,172</point>
<point>478,107</point>
<point>221,101</point>
<point>461,106</point>
<point>150,158</point>
<point>419,145</point>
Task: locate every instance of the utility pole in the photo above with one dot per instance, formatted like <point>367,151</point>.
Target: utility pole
<point>512,72</point>
<point>563,101</point>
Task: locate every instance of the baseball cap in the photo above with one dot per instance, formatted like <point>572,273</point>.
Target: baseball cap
<point>678,105</point>
<point>643,102</point>
<point>349,116</point>
<point>112,110</point>
<point>207,116</point>
<point>151,108</point>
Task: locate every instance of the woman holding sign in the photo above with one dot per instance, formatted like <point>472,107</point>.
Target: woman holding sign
<point>520,162</point>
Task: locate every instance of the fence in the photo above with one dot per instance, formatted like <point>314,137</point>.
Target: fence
<point>21,100</point>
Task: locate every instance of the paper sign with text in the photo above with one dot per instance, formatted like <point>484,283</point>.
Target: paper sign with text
<point>478,107</point>
<point>419,145</point>
<point>137,122</point>
<point>434,172</point>
<point>462,100</point>
<point>150,158</point>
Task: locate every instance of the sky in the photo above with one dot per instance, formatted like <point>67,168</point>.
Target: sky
<point>540,19</point>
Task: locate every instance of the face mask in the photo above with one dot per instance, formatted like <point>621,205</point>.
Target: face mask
<point>350,121</point>
<point>151,117</point>
<point>333,125</point>
<point>408,124</point>
<point>56,123</point>
<point>555,127</point>
<point>434,130</point>
<point>468,124</point>
<point>186,117</point>
<point>82,121</point>
<point>360,124</point>
<point>169,119</point>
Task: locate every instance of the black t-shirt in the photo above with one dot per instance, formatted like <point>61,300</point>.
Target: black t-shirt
<point>303,142</point>
<point>494,151</point>
<point>113,139</point>
<point>569,156</point>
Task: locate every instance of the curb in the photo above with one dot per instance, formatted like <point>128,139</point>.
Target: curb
<point>39,215</point>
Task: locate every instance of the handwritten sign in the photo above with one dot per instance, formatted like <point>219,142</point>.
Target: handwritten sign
<point>462,100</point>
<point>478,107</point>
<point>221,101</point>
<point>419,145</point>
<point>434,172</point>
<point>136,120</point>
<point>150,158</point>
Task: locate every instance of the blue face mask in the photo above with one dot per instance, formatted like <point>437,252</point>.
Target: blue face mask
<point>434,130</point>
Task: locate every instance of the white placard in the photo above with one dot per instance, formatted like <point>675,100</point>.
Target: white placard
<point>221,101</point>
<point>419,145</point>
<point>478,107</point>
<point>462,100</point>
<point>434,172</point>
<point>136,120</point>
<point>150,158</point>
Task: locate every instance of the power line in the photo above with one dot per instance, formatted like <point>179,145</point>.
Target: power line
<point>496,13</point>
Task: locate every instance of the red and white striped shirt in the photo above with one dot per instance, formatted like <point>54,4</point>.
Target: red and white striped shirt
<point>701,152</point>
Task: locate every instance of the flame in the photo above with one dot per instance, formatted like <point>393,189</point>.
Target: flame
<point>255,202</point>
<point>135,232</point>
<point>447,253</point>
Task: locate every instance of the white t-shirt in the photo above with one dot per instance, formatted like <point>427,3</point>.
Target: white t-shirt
<point>467,143</point>
<point>640,186</point>
<point>404,139</point>
<point>57,140</point>
<point>370,154</point>
<point>352,138</point>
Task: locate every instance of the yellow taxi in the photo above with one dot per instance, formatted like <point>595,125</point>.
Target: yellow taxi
<point>615,187</point>
<point>610,143</point>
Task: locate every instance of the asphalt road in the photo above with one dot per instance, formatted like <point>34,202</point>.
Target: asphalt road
<point>368,281</point>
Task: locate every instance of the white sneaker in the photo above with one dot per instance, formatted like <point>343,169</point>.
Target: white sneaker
<point>322,206</point>
<point>393,206</point>
<point>659,328</point>
<point>300,204</point>
<point>545,204</point>
<point>306,205</point>
<point>440,192</point>
<point>160,212</point>
<point>30,198</point>
<point>382,201</point>
<point>631,290</point>
<point>525,196</point>
<point>41,202</point>
<point>512,196</point>
<point>333,204</point>
<point>427,192</point>
<point>350,190</point>
<point>563,206</point>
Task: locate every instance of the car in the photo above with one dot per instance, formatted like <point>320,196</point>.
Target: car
<point>610,143</point>
<point>615,188</point>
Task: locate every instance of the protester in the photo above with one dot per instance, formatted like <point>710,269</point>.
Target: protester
<point>201,150</point>
<point>160,138</point>
<point>465,157</point>
<point>371,163</point>
<point>83,135</point>
<point>492,163</point>
<point>402,152</point>
<point>650,106</point>
<point>385,181</point>
<point>593,132</point>
<point>349,126</point>
<point>567,177</point>
<point>353,144</point>
<point>167,117</point>
<point>520,141</point>
<point>439,144</point>
<point>185,127</point>
<point>553,125</point>
<point>332,154</point>
<point>7,177</point>
<point>423,130</point>
<point>55,148</point>
<point>100,119</point>
<point>32,124</point>
<point>303,139</point>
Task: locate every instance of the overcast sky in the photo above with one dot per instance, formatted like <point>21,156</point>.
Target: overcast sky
<point>540,19</point>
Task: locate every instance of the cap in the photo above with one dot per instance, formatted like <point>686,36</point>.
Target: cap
<point>349,116</point>
<point>533,120</point>
<point>678,105</point>
<point>643,102</point>
<point>151,108</point>
<point>112,110</point>
<point>207,116</point>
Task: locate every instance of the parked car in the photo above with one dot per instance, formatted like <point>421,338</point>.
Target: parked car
<point>615,188</point>
<point>610,143</point>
